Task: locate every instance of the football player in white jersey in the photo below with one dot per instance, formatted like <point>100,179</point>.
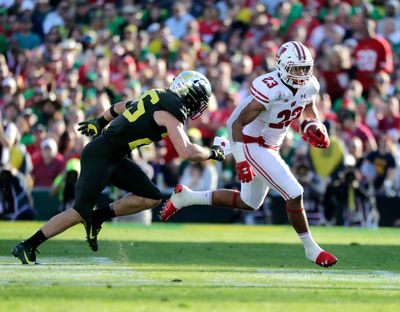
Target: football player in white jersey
<point>257,128</point>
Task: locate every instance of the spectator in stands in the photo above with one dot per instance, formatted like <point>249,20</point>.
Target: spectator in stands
<point>372,55</point>
<point>15,203</point>
<point>199,175</point>
<point>8,137</point>
<point>335,65</point>
<point>55,18</point>
<point>8,90</point>
<point>49,165</point>
<point>347,201</point>
<point>209,25</point>
<point>25,38</point>
<point>390,117</point>
<point>327,163</point>
<point>328,32</point>
<point>379,166</point>
<point>354,156</point>
<point>352,97</point>
<point>64,184</point>
<point>179,21</point>
<point>351,127</point>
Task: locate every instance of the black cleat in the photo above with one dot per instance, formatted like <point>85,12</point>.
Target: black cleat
<point>25,254</point>
<point>92,230</point>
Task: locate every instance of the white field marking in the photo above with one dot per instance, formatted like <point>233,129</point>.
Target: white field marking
<point>102,271</point>
<point>62,260</point>
<point>80,271</point>
<point>336,274</point>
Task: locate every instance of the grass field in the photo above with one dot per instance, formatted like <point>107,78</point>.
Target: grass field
<point>201,268</point>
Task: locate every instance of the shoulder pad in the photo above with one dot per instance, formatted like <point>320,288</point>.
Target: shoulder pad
<point>259,90</point>
<point>171,103</point>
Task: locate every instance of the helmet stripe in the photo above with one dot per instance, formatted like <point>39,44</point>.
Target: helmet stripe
<point>299,54</point>
<point>297,49</point>
<point>302,50</point>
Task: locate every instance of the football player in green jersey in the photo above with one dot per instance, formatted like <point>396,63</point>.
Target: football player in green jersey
<point>155,114</point>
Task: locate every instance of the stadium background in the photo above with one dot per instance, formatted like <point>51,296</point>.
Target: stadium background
<point>65,61</point>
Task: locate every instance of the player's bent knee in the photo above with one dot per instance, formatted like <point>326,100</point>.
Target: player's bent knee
<point>296,191</point>
<point>247,204</point>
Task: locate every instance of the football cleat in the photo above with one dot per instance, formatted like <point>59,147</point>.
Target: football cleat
<point>26,254</point>
<point>92,230</point>
<point>176,202</point>
<point>325,259</point>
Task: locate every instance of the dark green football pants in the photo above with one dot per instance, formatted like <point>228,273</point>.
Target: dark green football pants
<point>101,164</point>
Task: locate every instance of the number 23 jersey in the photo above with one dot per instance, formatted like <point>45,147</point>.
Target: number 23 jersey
<point>136,125</point>
<point>281,106</point>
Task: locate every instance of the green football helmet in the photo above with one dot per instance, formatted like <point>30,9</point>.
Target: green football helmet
<point>195,91</point>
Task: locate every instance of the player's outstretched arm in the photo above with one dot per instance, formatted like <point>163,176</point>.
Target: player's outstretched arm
<point>93,127</point>
<point>181,142</point>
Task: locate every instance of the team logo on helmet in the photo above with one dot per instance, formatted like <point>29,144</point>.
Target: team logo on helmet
<point>281,51</point>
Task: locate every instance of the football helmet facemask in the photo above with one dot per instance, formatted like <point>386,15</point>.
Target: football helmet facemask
<point>195,91</point>
<point>295,64</point>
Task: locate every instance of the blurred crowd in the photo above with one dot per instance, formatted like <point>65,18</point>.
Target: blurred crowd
<point>65,61</point>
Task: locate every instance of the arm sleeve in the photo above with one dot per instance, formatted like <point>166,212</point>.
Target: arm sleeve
<point>386,61</point>
<point>259,92</point>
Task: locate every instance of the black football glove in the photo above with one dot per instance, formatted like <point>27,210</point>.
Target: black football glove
<point>92,127</point>
<point>217,153</point>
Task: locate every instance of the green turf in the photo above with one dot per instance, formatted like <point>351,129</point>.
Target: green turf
<point>202,268</point>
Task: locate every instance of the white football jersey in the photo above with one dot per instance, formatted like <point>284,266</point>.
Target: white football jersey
<point>281,107</point>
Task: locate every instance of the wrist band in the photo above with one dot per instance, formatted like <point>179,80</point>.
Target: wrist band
<point>113,112</point>
<point>102,121</point>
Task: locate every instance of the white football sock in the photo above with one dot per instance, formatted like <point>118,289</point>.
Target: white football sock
<point>188,197</point>
<point>310,246</point>
<point>200,197</point>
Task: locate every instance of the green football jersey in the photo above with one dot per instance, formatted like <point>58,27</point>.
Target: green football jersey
<point>136,126</point>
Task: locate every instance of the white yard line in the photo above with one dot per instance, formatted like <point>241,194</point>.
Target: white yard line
<point>103,271</point>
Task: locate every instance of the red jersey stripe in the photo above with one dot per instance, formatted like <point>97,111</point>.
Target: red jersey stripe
<point>259,93</point>
<point>258,98</point>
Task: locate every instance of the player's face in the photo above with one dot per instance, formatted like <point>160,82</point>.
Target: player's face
<point>296,73</point>
<point>299,70</point>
